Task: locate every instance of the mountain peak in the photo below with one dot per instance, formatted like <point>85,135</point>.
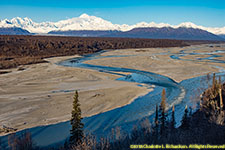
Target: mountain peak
<point>26,18</point>
<point>16,19</point>
<point>88,22</point>
<point>188,25</point>
<point>84,16</point>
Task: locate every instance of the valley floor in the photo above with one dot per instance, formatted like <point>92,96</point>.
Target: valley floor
<point>42,94</point>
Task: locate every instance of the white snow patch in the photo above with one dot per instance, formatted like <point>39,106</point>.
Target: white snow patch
<point>86,22</point>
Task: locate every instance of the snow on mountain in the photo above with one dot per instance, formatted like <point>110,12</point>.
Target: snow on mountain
<point>209,29</point>
<point>86,22</point>
<point>28,25</point>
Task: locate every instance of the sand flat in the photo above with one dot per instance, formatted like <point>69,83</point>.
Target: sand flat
<point>158,61</point>
<point>43,93</point>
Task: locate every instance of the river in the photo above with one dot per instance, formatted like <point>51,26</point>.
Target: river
<point>125,117</point>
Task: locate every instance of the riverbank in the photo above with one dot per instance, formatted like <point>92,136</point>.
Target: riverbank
<point>159,60</point>
<point>42,94</point>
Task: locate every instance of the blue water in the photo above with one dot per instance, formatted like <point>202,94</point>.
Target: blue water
<point>178,94</point>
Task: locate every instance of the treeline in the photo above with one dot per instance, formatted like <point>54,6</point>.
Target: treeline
<point>18,50</point>
<point>205,126</point>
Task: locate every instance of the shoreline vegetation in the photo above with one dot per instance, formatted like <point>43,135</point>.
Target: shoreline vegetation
<point>205,127</point>
<point>201,129</point>
<point>198,127</point>
<point>16,50</point>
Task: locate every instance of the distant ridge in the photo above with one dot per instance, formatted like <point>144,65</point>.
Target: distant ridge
<point>222,35</point>
<point>14,31</point>
<point>180,33</point>
<point>87,33</point>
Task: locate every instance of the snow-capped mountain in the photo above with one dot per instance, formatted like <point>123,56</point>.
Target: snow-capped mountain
<point>86,22</point>
<point>181,33</point>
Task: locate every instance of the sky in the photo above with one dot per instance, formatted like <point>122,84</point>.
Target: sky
<point>209,13</point>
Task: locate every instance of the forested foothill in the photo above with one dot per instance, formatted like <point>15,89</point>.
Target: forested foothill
<point>18,50</point>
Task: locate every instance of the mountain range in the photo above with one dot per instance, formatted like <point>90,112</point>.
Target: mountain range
<point>180,33</point>
<point>14,31</point>
<point>86,25</point>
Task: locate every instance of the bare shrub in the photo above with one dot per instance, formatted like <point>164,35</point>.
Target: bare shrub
<point>22,142</point>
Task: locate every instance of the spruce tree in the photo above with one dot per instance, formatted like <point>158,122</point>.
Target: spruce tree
<point>220,82</point>
<point>163,114</point>
<point>185,119</point>
<point>214,81</point>
<point>156,127</point>
<point>190,112</point>
<point>156,116</point>
<point>173,121</point>
<point>76,133</point>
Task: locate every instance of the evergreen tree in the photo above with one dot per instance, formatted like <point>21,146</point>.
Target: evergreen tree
<point>163,114</point>
<point>220,82</point>
<point>214,81</point>
<point>173,121</point>
<point>77,126</point>
<point>156,127</point>
<point>185,119</point>
<point>66,144</point>
<point>190,112</point>
<point>156,116</point>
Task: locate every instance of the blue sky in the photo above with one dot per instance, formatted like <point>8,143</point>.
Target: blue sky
<point>201,12</point>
